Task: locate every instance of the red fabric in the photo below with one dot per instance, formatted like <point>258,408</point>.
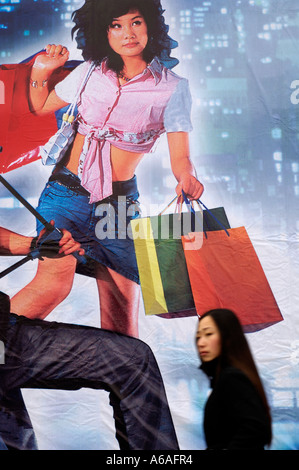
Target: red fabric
<point>225,272</point>
<point>22,132</point>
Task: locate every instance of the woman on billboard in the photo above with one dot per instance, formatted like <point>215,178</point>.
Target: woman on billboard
<point>130,98</point>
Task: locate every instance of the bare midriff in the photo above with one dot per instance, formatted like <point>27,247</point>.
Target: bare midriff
<point>123,163</point>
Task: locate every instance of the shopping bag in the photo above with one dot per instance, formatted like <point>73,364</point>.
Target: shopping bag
<point>161,262</point>
<point>226,273</point>
<point>23,132</point>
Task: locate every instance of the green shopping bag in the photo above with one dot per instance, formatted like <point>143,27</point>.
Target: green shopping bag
<point>161,261</point>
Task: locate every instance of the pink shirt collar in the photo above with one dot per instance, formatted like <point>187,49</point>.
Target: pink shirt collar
<point>155,67</point>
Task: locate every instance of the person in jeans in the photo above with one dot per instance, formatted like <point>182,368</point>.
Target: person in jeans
<point>51,355</point>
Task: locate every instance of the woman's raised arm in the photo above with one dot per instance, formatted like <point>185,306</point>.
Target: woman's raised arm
<point>40,100</point>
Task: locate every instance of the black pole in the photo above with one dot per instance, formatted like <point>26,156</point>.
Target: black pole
<point>25,203</point>
<point>48,226</point>
<point>15,266</point>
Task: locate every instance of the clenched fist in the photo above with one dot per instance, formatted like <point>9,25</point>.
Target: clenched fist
<point>55,56</point>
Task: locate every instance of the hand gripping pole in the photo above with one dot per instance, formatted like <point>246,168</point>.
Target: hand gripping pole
<point>53,233</point>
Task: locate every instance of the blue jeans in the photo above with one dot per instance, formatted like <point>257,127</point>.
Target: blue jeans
<point>102,229</point>
<point>50,355</point>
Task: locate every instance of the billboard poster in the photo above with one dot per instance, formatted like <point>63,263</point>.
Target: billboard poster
<point>238,63</point>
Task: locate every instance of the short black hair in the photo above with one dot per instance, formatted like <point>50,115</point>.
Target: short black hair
<point>93,19</point>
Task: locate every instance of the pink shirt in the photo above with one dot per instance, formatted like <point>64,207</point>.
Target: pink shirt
<point>130,117</point>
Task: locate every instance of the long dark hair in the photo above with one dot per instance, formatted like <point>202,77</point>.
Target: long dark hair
<point>93,19</point>
<point>235,351</point>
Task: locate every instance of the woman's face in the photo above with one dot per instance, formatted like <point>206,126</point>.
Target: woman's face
<point>127,35</point>
<point>208,339</point>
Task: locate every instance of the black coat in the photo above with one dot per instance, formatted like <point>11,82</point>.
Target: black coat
<point>234,418</point>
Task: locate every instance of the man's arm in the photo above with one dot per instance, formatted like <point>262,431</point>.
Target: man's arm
<point>14,244</point>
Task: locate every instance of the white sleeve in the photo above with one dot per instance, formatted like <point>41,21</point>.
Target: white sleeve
<point>177,115</point>
<point>67,88</point>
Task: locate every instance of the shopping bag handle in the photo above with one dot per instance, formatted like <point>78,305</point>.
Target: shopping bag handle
<point>179,203</point>
<point>168,205</point>
<point>191,209</point>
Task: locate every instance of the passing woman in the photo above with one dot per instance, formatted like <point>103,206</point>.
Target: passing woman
<point>237,414</point>
<point>129,100</point>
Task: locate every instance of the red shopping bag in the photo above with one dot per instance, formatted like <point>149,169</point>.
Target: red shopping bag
<point>225,272</point>
<point>21,131</point>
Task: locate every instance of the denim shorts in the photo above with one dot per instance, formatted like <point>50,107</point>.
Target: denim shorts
<point>102,228</point>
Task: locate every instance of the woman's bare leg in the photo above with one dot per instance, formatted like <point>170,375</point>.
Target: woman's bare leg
<point>119,301</point>
<point>50,286</point>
